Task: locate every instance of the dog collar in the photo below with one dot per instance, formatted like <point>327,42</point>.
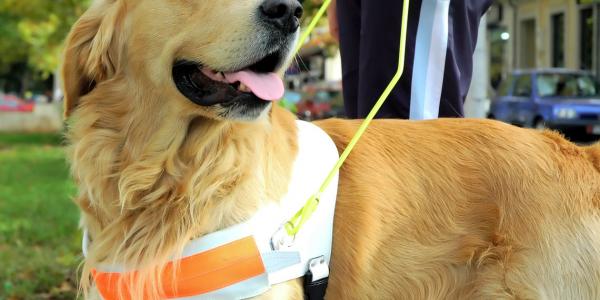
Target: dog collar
<point>245,260</point>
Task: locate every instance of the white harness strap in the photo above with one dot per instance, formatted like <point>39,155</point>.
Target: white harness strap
<point>317,154</point>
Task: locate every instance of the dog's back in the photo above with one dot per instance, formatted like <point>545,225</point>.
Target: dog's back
<point>465,209</point>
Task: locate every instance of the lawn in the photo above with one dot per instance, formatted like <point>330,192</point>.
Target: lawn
<point>39,239</point>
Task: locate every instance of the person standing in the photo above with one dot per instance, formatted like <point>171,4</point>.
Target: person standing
<point>441,40</point>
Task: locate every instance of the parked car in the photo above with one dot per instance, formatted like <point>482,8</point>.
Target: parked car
<point>554,98</point>
<point>309,110</point>
<point>320,102</point>
<point>13,103</point>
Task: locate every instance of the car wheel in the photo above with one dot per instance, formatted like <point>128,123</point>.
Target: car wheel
<point>539,124</point>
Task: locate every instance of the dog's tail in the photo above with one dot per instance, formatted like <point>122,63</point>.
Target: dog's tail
<point>594,155</point>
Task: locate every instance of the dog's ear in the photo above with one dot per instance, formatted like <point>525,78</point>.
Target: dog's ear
<point>91,52</point>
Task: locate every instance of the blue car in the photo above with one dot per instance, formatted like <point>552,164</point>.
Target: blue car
<point>554,98</point>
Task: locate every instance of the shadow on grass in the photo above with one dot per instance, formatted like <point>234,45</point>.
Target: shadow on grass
<point>32,139</point>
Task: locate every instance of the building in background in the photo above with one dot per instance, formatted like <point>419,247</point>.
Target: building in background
<point>527,34</point>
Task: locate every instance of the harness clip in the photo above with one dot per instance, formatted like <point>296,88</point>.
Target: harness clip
<point>319,268</point>
<point>316,279</point>
<point>281,240</point>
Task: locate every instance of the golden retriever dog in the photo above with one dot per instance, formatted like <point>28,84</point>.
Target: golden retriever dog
<point>165,148</point>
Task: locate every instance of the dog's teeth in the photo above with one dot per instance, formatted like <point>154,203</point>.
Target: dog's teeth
<point>244,88</point>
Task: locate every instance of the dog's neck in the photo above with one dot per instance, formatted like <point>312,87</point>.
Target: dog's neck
<point>149,183</point>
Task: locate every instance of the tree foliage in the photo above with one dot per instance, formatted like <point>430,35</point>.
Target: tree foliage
<point>310,9</point>
<point>32,31</point>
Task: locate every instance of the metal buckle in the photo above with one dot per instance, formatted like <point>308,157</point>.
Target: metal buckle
<point>319,268</point>
<point>281,240</point>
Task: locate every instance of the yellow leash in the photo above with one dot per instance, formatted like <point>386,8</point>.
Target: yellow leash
<point>295,224</point>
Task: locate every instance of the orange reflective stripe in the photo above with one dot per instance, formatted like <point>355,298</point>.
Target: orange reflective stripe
<point>198,274</point>
<point>217,268</point>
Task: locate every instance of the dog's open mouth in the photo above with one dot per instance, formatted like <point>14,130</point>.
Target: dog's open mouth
<point>207,87</point>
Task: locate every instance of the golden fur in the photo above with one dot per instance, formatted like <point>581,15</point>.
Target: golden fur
<point>444,209</point>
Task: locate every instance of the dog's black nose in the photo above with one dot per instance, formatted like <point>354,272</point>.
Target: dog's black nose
<point>283,14</point>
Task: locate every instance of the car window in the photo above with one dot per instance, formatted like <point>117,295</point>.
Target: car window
<point>523,86</point>
<point>567,85</point>
<point>505,86</point>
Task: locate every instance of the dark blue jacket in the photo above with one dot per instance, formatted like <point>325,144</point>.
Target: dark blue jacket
<point>442,35</point>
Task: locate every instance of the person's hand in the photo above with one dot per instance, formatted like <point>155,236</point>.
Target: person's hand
<point>334,28</point>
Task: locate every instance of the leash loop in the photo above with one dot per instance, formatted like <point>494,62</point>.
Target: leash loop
<point>293,226</point>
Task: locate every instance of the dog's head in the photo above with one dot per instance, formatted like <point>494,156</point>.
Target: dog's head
<point>216,59</point>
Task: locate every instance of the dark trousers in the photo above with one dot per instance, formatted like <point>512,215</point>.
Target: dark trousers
<point>369,44</point>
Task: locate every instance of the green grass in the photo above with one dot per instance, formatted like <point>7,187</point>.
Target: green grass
<point>39,239</point>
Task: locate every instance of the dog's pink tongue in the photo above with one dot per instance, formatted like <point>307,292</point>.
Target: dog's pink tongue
<point>265,86</point>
